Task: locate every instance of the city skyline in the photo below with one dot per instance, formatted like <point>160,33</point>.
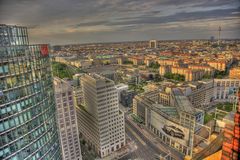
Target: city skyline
<point>71,22</point>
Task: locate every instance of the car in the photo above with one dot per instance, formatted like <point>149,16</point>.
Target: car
<point>173,131</point>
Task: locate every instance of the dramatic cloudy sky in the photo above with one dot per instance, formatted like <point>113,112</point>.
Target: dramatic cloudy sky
<point>83,21</point>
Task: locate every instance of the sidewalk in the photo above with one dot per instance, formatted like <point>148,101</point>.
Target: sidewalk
<point>129,147</point>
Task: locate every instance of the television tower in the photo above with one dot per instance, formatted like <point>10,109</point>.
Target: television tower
<point>219,34</point>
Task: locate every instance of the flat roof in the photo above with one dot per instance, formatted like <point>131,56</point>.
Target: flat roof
<point>182,101</point>
<point>171,111</point>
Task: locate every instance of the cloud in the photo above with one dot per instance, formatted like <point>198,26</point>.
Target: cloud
<point>81,20</point>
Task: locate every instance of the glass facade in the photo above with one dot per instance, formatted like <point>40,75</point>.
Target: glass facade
<point>28,127</point>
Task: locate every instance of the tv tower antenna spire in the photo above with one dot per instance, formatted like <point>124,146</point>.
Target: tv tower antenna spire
<point>219,34</point>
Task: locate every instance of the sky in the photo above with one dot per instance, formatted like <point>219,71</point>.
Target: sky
<point>88,21</point>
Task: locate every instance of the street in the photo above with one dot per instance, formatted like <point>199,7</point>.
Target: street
<point>146,149</point>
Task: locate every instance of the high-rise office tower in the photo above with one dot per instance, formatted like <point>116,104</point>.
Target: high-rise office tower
<point>28,127</point>
<point>102,123</point>
<point>67,120</point>
<point>153,44</point>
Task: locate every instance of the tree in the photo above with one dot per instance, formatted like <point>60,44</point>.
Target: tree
<point>220,74</point>
<point>174,76</point>
<point>61,70</point>
<point>206,76</point>
<point>157,78</point>
<point>154,65</point>
<point>127,62</point>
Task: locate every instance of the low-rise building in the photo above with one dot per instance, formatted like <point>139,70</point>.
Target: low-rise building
<point>164,98</point>
<point>170,62</point>
<point>201,93</point>
<point>225,89</point>
<point>174,124</point>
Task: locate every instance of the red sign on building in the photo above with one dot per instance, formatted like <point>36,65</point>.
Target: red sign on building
<point>44,50</point>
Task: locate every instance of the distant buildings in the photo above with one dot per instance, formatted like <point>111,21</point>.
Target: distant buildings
<point>207,69</point>
<point>136,60</point>
<point>102,123</point>
<point>67,120</point>
<point>189,74</point>
<point>153,44</point>
<point>28,125</point>
<point>218,65</point>
<point>234,73</point>
<point>163,69</point>
<point>80,63</point>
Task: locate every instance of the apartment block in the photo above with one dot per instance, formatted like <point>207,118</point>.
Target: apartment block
<point>218,65</point>
<point>190,74</point>
<point>207,69</point>
<point>170,62</point>
<point>163,69</point>
<point>234,73</point>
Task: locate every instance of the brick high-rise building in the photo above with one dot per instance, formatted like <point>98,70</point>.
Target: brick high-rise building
<point>231,140</point>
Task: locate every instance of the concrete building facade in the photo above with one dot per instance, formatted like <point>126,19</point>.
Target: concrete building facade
<point>175,124</point>
<point>102,123</point>
<point>225,89</point>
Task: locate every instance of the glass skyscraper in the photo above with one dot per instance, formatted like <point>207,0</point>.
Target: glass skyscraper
<point>28,128</point>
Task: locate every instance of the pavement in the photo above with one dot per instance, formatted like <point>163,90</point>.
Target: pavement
<point>147,145</point>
